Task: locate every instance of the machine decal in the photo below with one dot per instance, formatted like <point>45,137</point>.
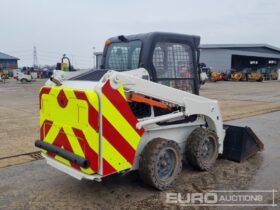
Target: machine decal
<point>119,124</point>
<point>69,120</point>
<point>62,99</point>
<point>118,99</point>
<point>62,116</point>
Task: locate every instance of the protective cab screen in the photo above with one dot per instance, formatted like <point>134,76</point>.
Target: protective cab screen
<point>173,63</point>
<point>123,56</point>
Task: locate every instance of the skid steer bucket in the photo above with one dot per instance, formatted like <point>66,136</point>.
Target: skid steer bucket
<point>240,143</point>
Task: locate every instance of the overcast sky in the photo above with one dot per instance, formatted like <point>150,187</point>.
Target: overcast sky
<point>75,26</point>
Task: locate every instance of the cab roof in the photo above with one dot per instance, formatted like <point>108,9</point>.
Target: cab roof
<point>157,36</point>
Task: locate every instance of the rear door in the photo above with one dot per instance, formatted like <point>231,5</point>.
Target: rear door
<point>69,120</point>
<point>174,65</point>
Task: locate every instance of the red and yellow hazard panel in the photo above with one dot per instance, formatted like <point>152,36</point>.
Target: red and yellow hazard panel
<point>120,135</point>
<point>69,119</point>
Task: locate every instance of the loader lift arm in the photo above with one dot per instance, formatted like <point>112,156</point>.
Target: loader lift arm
<point>191,104</point>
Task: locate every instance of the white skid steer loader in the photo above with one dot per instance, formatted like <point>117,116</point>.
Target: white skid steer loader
<point>140,111</point>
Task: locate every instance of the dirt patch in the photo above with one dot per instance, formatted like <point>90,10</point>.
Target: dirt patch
<point>233,109</point>
<point>36,185</point>
<point>15,160</point>
<point>19,110</point>
<point>19,159</point>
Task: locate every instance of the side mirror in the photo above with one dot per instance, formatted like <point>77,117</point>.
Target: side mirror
<point>201,65</point>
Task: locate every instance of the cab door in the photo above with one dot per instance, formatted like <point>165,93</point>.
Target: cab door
<point>174,65</point>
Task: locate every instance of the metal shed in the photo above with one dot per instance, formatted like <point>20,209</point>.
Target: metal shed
<point>239,56</point>
<point>8,62</point>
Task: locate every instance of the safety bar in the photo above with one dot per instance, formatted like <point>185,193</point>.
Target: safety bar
<point>80,161</point>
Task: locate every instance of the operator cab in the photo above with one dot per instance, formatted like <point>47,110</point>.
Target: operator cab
<point>170,59</point>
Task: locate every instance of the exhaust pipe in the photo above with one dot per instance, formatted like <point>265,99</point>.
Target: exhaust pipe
<point>240,143</point>
<point>80,161</point>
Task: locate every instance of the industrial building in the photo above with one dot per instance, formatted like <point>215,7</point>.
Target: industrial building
<point>8,62</point>
<point>98,58</point>
<point>221,57</point>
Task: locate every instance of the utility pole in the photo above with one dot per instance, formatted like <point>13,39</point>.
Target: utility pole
<point>94,62</point>
<point>35,61</point>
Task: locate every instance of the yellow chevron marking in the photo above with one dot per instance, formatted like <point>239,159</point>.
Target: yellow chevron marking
<point>69,92</point>
<point>54,91</point>
<point>121,91</point>
<point>75,145</point>
<point>92,139</point>
<point>112,156</point>
<point>119,122</point>
<point>53,132</point>
<point>75,114</point>
<point>42,119</point>
<point>93,99</point>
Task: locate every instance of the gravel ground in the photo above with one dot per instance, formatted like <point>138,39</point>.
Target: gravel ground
<point>19,114</point>
<point>35,185</point>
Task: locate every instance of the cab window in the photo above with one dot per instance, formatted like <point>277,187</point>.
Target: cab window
<point>173,63</point>
<point>123,56</point>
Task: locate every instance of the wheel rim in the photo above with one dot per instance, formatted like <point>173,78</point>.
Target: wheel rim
<point>166,163</point>
<point>208,148</point>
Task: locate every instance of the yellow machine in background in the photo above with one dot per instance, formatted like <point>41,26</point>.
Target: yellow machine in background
<point>216,76</point>
<point>274,75</point>
<point>252,75</point>
<point>65,64</point>
<point>256,76</point>
<point>4,74</point>
<point>247,75</point>
<point>65,67</point>
<point>236,76</point>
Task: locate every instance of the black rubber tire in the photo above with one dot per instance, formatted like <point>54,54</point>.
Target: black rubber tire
<point>194,148</point>
<point>149,160</point>
<point>23,81</point>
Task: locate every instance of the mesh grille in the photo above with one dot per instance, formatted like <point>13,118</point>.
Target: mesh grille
<point>178,62</point>
<point>173,63</point>
<point>158,61</point>
<point>123,56</point>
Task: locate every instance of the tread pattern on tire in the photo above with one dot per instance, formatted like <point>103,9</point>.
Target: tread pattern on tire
<point>148,161</point>
<point>193,146</point>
